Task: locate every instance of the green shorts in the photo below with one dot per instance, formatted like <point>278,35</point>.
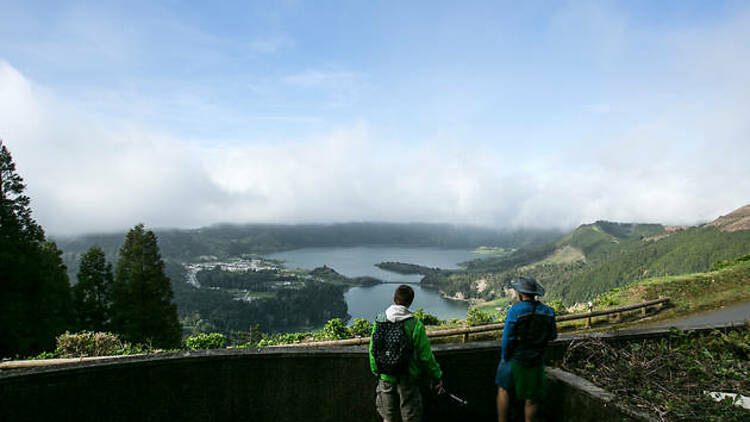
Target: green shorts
<point>522,382</point>
<point>392,399</point>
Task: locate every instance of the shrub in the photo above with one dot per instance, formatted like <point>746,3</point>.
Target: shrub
<point>335,329</point>
<point>558,306</point>
<point>361,328</point>
<point>608,300</point>
<point>427,319</point>
<point>476,317</point>
<point>287,338</point>
<point>87,343</point>
<point>205,341</point>
<point>44,355</point>
<point>719,265</point>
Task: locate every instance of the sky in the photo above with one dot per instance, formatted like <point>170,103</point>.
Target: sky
<point>499,114</point>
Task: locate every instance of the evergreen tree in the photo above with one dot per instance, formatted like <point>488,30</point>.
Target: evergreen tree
<point>34,288</point>
<point>142,308</point>
<point>92,296</point>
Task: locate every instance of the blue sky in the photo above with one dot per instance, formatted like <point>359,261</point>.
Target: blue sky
<point>502,114</point>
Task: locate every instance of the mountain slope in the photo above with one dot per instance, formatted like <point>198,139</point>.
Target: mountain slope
<point>596,257</point>
<point>737,220</point>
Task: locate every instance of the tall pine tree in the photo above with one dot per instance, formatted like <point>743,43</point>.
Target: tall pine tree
<point>142,308</point>
<point>34,288</point>
<point>92,295</point>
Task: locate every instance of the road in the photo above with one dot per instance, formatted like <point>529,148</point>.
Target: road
<point>734,314</point>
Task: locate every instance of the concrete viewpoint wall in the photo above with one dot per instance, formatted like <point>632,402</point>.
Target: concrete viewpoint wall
<point>293,384</point>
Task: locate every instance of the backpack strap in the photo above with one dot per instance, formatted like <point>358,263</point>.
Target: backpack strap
<point>409,325</point>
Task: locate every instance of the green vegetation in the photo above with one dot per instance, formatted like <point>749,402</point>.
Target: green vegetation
<point>336,329</point>
<point>494,307</point>
<point>88,343</point>
<point>92,295</point>
<point>426,318</point>
<point>35,297</point>
<point>718,265</point>
<point>142,308</point>
<point>476,317</point>
<point>361,327</point>
<point>205,341</point>
<point>667,377</point>
<point>689,293</point>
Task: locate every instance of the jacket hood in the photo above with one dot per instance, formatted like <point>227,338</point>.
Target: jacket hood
<point>396,313</point>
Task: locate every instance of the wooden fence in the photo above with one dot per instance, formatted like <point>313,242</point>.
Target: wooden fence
<point>467,331</point>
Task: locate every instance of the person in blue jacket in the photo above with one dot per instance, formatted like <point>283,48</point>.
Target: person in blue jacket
<point>529,326</point>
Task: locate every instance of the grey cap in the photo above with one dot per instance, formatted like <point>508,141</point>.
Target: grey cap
<point>528,285</point>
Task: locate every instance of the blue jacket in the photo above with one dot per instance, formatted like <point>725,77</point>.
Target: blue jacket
<point>526,335</point>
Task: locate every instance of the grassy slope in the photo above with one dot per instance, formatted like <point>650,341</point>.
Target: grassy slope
<point>690,293</point>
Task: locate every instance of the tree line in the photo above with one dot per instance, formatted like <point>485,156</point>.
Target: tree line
<point>37,302</point>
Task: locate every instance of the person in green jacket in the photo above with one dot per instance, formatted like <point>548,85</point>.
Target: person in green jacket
<point>400,394</point>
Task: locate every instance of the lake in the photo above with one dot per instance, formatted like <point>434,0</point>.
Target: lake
<point>366,302</point>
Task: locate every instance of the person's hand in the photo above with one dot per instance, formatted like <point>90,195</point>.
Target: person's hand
<point>438,387</point>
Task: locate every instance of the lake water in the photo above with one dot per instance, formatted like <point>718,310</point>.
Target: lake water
<point>366,302</point>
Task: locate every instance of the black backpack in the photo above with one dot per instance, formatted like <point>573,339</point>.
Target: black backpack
<point>533,332</point>
<point>391,347</point>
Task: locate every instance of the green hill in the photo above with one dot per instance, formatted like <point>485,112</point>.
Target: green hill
<point>597,257</point>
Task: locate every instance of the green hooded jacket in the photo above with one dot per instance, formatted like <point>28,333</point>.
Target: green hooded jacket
<point>422,363</point>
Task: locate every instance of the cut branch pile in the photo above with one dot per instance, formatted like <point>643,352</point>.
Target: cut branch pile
<point>668,377</point>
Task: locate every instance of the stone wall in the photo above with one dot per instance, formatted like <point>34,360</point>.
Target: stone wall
<point>293,384</point>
